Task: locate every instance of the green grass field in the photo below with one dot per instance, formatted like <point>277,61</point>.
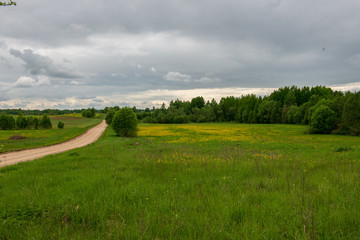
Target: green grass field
<point>74,126</point>
<point>193,181</point>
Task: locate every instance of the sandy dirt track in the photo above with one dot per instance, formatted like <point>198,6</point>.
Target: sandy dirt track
<point>87,138</point>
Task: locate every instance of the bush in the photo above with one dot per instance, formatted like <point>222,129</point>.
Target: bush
<point>45,122</point>
<point>323,120</point>
<point>109,116</point>
<point>125,123</point>
<point>61,125</point>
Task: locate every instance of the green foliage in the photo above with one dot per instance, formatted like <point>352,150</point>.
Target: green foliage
<point>125,123</point>
<point>290,99</point>
<point>229,107</point>
<point>45,122</point>
<point>61,125</point>
<point>7,122</point>
<point>89,113</point>
<point>323,120</point>
<point>8,3</point>
<point>286,105</point>
<point>197,102</point>
<point>294,115</point>
<point>351,115</point>
<point>109,116</point>
<point>269,112</point>
<point>149,119</point>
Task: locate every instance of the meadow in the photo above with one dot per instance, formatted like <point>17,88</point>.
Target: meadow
<point>191,181</point>
<point>75,125</point>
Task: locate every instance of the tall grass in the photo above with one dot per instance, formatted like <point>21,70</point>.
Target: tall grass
<point>284,185</point>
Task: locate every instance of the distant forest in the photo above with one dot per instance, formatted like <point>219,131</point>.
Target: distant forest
<point>321,108</point>
<point>324,110</point>
<point>39,112</point>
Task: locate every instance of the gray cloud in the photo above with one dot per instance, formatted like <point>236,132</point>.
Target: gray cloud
<point>37,64</point>
<point>123,48</point>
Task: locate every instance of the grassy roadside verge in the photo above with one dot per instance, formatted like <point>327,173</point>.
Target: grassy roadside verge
<point>194,181</point>
<point>75,125</point>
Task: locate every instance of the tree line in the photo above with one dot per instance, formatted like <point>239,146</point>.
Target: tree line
<point>36,112</point>
<point>9,3</point>
<point>89,113</point>
<point>9,122</point>
<point>321,108</point>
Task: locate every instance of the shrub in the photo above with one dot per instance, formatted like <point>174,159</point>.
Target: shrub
<point>61,125</point>
<point>45,122</point>
<point>125,123</point>
<point>323,120</point>
<point>109,116</point>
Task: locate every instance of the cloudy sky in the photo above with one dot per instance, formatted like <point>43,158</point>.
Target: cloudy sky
<point>74,54</point>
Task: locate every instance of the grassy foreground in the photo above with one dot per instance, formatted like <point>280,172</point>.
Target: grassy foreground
<point>195,181</point>
<point>75,125</point>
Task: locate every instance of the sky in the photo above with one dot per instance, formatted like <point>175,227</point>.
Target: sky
<point>78,54</point>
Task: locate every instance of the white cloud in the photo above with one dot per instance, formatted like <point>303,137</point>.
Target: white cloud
<point>152,69</point>
<point>352,87</point>
<point>43,81</point>
<point>74,82</point>
<point>24,82</point>
<point>149,98</point>
<point>177,77</point>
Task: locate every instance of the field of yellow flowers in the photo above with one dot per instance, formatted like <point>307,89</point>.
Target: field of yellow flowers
<point>190,181</point>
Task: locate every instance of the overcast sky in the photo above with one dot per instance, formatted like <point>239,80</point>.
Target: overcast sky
<point>75,54</point>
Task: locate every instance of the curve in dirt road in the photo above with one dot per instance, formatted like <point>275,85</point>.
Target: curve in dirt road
<point>87,138</point>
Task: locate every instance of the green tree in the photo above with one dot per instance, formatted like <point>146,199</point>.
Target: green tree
<point>323,120</point>
<point>294,115</point>
<point>36,123</point>
<point>21,121</point>
<point>351,115</point>
<point>109,116</point>
<point>269,112</point>
<point>125,123</point>
<point>7,3</point>
<point>7,122</point>
<point>197,102</point>
<point>45,122</point>
<point>61,125</point>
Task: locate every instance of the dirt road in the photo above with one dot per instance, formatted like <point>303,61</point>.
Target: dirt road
<point>87,138</point>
